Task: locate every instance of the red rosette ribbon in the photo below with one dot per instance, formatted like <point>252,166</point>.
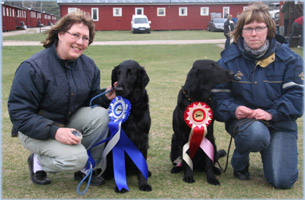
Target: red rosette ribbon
<point>198,116</point>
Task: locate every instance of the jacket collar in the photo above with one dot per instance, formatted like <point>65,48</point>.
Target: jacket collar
<point>65,63</point>
<point>278,48</point>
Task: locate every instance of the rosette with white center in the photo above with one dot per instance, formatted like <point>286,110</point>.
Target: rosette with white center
<point>119,109</point>
<point>198,114</point>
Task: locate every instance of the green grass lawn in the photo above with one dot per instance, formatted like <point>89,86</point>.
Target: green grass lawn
<point>167,66</point>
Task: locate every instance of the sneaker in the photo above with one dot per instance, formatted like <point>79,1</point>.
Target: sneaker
<point>95,179</point>
<point>243,174</point>
<point>40,177</point>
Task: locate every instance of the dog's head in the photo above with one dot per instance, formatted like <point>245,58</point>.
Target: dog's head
<point>203,76</point>
<point>131,77</point>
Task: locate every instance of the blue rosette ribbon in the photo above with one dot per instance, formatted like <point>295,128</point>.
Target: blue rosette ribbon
<point>119,110</point>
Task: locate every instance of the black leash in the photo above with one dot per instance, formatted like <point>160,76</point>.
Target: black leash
<point>235,132</point>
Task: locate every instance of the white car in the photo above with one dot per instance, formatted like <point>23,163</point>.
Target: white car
<point>140,24</point>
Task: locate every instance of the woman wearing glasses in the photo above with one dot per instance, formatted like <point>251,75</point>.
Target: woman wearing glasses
<point>49,101</point>
<point>261,105</point>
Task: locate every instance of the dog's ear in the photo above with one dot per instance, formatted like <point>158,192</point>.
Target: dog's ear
<point>114,76</point>
<point>143,78</point>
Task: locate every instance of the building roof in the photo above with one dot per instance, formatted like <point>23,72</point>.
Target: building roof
<point>154,1</point>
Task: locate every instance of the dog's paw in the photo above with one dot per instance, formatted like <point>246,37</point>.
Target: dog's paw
<point>221,153</point>
<point>213,181</point>
<point>176,170</point>
<point>189,179</point>
<point>145,187</point>
<point>216,171</point>
<point>116,189</point>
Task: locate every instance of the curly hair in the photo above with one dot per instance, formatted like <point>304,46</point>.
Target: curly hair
<point>65,23</point>
<point>258,12</point>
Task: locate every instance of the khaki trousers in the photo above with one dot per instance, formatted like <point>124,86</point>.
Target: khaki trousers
<point>54,156</point>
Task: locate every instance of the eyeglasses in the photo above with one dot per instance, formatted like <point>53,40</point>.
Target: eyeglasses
<point>257,29</point>
<point>76,36</point>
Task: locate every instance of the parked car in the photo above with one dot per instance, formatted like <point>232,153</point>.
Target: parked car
<point>140,23</point>
<point>275,14</point>
<point>216,24</point>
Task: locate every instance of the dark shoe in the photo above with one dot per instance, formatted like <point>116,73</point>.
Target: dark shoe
<point>95,179</point>
<point>243,174</point>
<point>40,177</point>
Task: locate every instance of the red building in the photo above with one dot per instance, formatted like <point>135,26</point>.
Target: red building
<point>163,14</point>
<point>13,17</point>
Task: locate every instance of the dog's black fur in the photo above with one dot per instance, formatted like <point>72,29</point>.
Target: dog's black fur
<point>131,81</point>
<point>198,85</point>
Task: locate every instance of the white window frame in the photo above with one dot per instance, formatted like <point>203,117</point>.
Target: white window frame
<point>161,9</point>
<point>204,11</point>
<point>117,12</point>
<point>181,10</point>
<point>71,10</point>
<point>141,10</point>
<point>224,9</point>
<point>3,10</point>
<point>97,14</point>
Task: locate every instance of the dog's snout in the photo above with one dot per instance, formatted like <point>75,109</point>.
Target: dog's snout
<point>231,74</point>
<point>119,89</point>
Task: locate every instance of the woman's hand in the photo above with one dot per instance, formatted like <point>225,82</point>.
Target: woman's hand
<point>243,112</point>
<point>65,136</point>
<point>111,95</point>
<point>261,115</point>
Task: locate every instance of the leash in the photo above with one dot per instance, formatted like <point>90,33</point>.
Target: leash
<point>97,96</point>
<point>235,132</point>
<point>81,182</point>
<point>90,172</point>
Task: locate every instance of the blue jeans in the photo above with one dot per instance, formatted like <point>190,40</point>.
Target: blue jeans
<point>227,43</point>
<point>278,148</point>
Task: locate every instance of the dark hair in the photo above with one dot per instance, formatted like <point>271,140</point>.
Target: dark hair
<point>256,12</point>
<point>65,23</point>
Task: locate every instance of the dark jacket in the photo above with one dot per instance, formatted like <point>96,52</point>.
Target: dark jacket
<point>274,83</point>
<point>228,26</point>
<point>46,91</point>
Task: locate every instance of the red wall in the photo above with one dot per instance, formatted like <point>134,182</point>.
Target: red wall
<point>172,20</point>
<point>11,17</point>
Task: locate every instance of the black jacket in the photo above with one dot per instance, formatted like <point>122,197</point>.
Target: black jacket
<point>228,26</point>
<point>46,91</point>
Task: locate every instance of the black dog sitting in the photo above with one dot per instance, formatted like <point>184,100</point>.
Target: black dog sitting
<point>197,88</point>
<point>131,81</point>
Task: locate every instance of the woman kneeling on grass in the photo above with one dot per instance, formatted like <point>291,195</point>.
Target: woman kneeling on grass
<point>261,105</point>
<point>49,99</point>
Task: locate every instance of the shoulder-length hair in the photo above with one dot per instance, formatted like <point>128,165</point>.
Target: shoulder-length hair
<point>258,12</point>
<point>65,23</point>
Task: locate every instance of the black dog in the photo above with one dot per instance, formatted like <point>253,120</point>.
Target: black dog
<point>131,81</point>
<point>198,85</point>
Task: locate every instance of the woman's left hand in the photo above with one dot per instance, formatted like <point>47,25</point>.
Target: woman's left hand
<point>260,115</point>
<point>111,95</point>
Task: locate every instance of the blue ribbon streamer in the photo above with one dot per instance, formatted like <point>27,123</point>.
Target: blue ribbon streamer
<point>119,169</point>
<point>118,114</point>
